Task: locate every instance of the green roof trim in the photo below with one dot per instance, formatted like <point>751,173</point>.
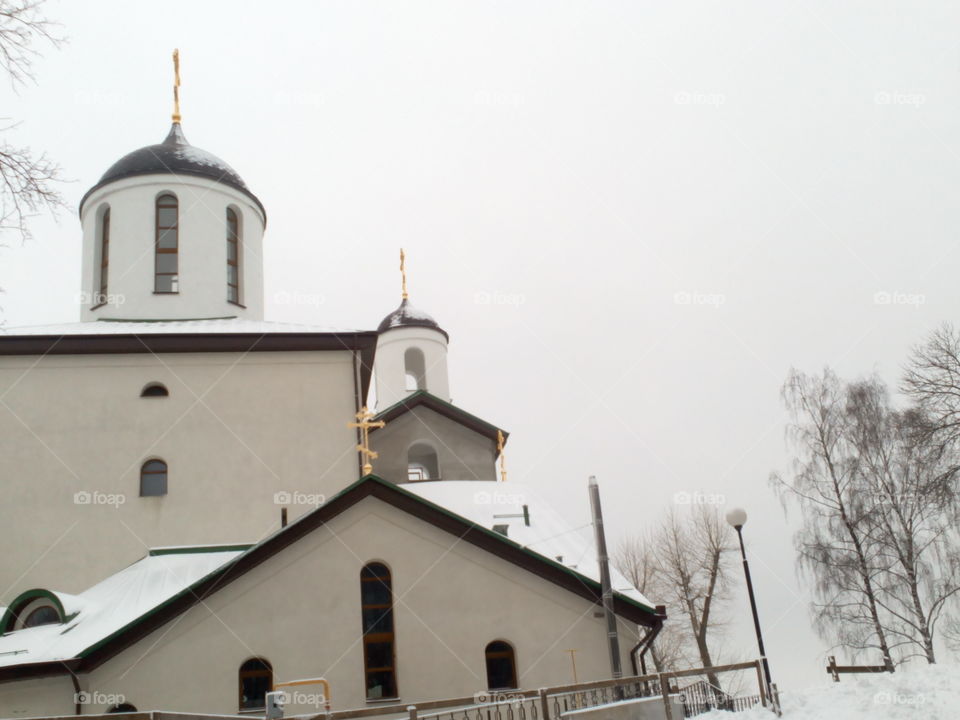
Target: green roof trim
<point>195,549</point>
<point>424,397</point>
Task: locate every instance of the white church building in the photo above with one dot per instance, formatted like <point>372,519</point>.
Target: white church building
<point>187,520</point>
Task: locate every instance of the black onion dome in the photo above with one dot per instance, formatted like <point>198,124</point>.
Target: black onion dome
<point>174,156</point>
<point>408,316</point>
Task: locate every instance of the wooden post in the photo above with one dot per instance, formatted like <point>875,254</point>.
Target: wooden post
<point>763,692</point>
<point>665,692</point>
<point>412,709</point>
<point>832,668</point>
<point>544,704</point>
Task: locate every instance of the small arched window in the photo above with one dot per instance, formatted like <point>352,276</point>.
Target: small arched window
<point>167,277</point>
<point>233,256</point>
<point>43,615</point>
<point>256,680</point>
<point>153,478</point>
<point>154,390</point>
<point>376,600</point>
<point>415,369</point>
<point>104,252</point>
<point>501,666</point>
<point>422,463</point>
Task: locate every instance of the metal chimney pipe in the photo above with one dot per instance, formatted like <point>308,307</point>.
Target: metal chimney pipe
<point>607,591</point>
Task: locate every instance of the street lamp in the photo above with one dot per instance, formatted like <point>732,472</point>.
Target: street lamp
<point>738,518</point>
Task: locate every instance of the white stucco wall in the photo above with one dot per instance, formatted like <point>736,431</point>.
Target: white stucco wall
<point>235,430</point>
<point>301,611</point>
<point>202,250</point>
<point>390,371</point>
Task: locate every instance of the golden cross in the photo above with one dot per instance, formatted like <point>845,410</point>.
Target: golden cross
<point>501,441</point>
<point>365,424</point>
<point>403,273</point>
<point>176,85</point>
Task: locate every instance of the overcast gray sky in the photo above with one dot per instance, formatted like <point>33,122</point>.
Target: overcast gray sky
<point>632,218</point>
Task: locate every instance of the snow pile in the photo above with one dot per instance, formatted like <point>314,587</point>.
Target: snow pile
<point>927,693</point>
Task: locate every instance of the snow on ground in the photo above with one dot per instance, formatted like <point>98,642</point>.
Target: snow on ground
<point>917,693</point>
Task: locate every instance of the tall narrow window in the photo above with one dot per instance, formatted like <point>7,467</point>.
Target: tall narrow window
<point>104,258</point>
<point>415,369</point>
<point>256,680</point>
<point>233,256</point>
<point>153,478</point>
<point>501,666</point>
<point>376,599</point>
<point>167,278</point>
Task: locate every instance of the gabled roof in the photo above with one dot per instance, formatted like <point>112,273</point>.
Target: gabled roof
<point>101,649</point>
<point>448,410</point>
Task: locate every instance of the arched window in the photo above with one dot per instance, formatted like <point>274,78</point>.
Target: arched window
<point>256,680</point>
<point>422,463</point>
<point>233,256</point>
<point>101,286</point>
<point>501,666</point>
<point>376,600</point>
<point>153,478</point>
<point>168,245</point>
<point>154,389</point>
<point>122,708</point>
<point>415,369</point>
<point>43,615</point>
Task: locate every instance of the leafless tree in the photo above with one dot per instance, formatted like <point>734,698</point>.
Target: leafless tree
<point>693,562</point>
<point>932,380</point>
<point>833,545</point>
<point>28,181</point>
<point>912,492</point>
<point>635,557</point>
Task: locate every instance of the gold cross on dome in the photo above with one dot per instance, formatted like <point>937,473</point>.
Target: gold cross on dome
<point>403,275</point>
<point>501,441</point>
<point>365,424</point>
<point>176,85</point>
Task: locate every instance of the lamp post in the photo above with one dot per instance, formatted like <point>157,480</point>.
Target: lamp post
<point>738,518</point>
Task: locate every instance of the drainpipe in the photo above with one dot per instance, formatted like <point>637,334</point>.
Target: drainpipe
<point>77,705</point>
<point>646,642</point>
<point>607,591</point>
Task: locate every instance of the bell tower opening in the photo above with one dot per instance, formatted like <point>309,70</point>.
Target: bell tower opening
<point>415,370</point>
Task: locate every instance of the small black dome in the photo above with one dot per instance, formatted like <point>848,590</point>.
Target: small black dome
<point>174,156</point>
<point>408,316</point>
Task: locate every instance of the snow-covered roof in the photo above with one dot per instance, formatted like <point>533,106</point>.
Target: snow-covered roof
<point>548,534</point>
<point>108,606</point>
<point>229,325</point>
